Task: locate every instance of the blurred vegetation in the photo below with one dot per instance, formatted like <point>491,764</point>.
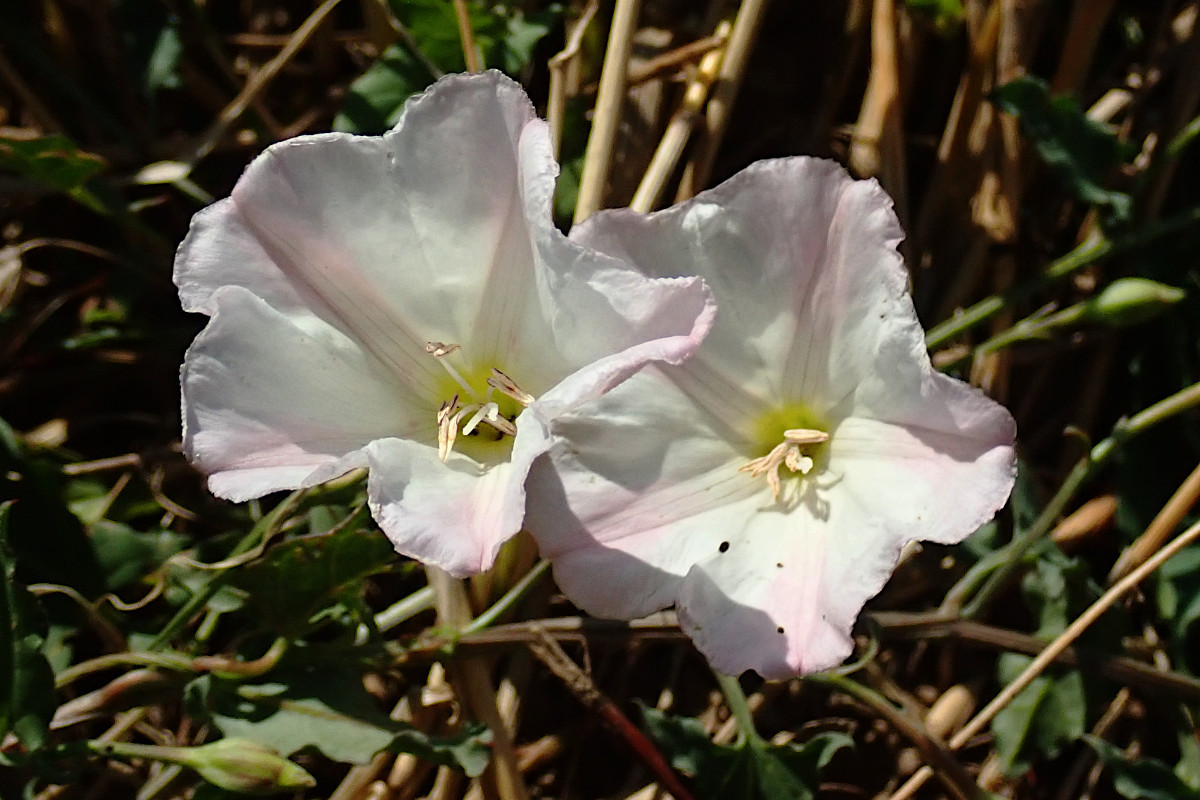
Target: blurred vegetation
<point>1043,160</point>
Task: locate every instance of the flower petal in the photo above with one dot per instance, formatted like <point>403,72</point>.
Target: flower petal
<point>267,400</point>
<point>813,312</point>
<point>454,515</point>
<point>395,240</point>
<point>638,491</point>
<point>809,572</point>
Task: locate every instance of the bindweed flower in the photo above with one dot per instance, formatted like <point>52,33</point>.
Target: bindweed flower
<point>766,486</point>
<point>404,303</point>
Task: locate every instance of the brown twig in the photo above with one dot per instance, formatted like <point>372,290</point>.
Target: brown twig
<point>550,653</point>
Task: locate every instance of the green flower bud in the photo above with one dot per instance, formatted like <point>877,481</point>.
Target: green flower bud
<point>240,765</point>
<point>1129,301</point>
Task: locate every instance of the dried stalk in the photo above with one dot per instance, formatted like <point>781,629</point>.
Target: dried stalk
<point>607,116</point>
<point>1053,651</point>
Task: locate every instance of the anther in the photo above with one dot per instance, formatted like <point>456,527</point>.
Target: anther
<point>786,454</point>
<point>447,427</point>
<point>506,385</point>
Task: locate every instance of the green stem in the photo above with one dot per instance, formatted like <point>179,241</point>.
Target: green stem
<point>219,577</point>
<point>406,609</point>
<point>1089,465</point>
<point>1086,253</point>
<point>510,599</point>
<point>178,662</point>
<point>735,698</point>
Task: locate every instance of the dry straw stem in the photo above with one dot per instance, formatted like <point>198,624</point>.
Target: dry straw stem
<point>1088,519</point>
<point>1159,528</point>
<point>564,74</point>
<point>670,149</point>
<point>259,82</point>
<point>607,115</point>
<point>729,80</point>
<point>1052,651</point>
<point>877,145</point>
<point>1088,18</point>
<point>474,685</point>
<point>550,653</point>
<point>467,34</point>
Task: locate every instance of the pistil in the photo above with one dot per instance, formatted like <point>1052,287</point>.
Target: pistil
<point>482,408</point>
<point>788,453</point>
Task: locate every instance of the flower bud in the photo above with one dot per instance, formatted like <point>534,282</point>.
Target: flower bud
<point>240,765</point>
<point>1129,301</point>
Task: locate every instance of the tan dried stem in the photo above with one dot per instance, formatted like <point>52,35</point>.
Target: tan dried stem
<point>467,35</point>
<point>1167,520</point>
<point>607,115</point>
<point>473,684</point>
<point>259,82</point>
<point>1053,651</point>
<point>729,81</point>
<point>877,144</point>
<point>1088,18</point>
<point>679,129</point>
<point>564,74</point>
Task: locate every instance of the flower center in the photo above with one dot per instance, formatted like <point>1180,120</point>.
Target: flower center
<point>484,418</point>
<point>791,436</point>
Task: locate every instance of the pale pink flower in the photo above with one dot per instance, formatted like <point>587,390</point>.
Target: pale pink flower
<point>766,486</point>
<point>404,303</point>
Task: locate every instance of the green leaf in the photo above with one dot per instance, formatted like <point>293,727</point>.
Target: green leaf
<point>946,15</point>
<point>1051,712</point>
<point>1048,715</point>
<point>56,162</point>
<point>127,555</point>
<point>1178,599</point>
<point>48,541</point>
<point>506,38</point>
<point>53,160</point>
<point>26,682</point>
<point>299,577</point>
<point>329,710</point>
<point>374,99</point>
<point>749,769</point>
<point>1081,151</point>
<point>1144,778</point>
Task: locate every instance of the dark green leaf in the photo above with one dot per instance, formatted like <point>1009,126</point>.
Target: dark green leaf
<point>126,554</point>
<point>1052,711</point>
<point>946,15</point>
<point>749,769</point>
<point>329,710</point>
<point>54,161</point>
<point>48,541</point>
<point>298,577</point>
<point>1082,152</point>
<point>374,100</point>
<point>26,683</point>
<point>1141,779</point>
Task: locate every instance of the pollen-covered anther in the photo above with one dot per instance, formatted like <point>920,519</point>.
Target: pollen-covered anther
<point>788,454</point>
<point>447,419</point>
<point>439,349</point>
<point>506,385</point>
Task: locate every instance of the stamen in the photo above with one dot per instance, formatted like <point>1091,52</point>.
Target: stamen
<point>786,454</point>
<point>440,349</point>
<point>506,385</point>
<point>482,410</point>
<point>447,427</point>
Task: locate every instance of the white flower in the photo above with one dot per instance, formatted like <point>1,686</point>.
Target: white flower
<point>398,303</point>
<point>766,486</point>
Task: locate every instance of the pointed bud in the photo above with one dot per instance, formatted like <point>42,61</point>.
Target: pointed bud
<point>240,765</point>
<point>1129,301</point>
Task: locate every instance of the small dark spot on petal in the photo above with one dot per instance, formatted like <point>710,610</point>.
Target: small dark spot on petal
<point>724,546</point>
<point>779,629</point>
<point>779,564</point>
